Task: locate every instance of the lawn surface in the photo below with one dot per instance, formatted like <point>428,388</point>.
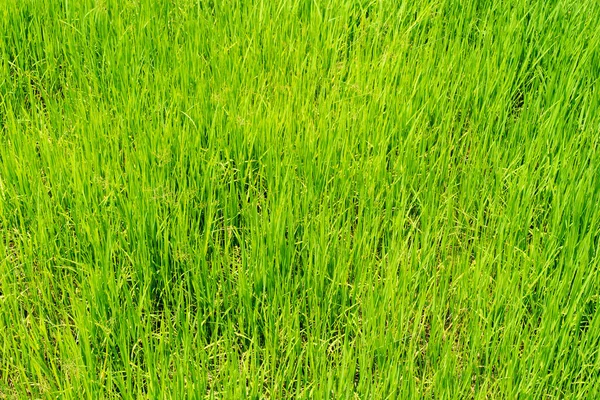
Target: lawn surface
<point>299,199</point>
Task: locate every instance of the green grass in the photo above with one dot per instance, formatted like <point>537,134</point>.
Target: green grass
<point>300,199</point>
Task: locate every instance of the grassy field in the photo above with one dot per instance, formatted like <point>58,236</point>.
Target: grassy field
<point>300,199</point>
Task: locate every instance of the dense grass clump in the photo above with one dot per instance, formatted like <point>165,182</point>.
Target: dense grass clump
<point>299,199</point>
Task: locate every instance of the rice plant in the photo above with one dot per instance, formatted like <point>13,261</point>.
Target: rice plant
<point>307,199</point>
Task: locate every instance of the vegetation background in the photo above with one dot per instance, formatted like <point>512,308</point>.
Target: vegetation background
<point>299,199</point>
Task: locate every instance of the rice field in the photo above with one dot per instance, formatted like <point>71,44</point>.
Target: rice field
<point>299,199</point>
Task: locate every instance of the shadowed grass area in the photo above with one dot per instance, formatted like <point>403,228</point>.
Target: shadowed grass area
<point>299,199</point>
